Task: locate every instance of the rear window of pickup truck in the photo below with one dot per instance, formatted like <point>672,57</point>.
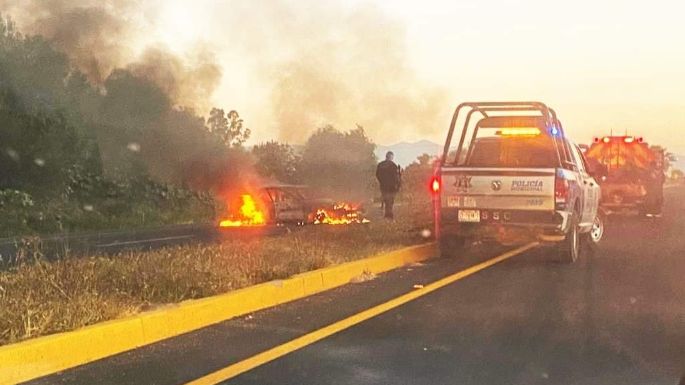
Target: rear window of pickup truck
<point>535,151</point>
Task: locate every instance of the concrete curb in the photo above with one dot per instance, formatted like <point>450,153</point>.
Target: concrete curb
<point>41,356</point>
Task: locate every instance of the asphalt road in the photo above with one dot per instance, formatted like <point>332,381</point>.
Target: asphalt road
<point>616,317</point>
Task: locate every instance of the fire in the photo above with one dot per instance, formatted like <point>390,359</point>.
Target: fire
<point>341,214</point>
<point>248,215</point>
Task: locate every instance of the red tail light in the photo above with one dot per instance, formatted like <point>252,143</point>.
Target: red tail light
<point>561,189</point>
<point>435,185</point>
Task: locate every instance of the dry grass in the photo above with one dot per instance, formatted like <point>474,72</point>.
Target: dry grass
<point>42,298</point>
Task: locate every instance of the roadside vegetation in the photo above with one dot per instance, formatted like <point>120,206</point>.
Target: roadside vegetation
<point>39,298</point>
<point>121,153</point>
<point>75,155</point>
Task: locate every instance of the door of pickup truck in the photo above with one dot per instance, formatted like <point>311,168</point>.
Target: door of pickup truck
<point>591,189</point>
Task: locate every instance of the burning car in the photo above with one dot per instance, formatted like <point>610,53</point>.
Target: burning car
<point>248,214</point>
<point>283,204</point>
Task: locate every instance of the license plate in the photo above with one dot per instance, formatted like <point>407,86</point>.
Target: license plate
<point>469,202</point>
<point>469,216</point>
<point>452,201</point>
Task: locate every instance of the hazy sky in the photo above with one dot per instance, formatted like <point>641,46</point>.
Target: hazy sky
<point>602,64</point>
<point>399,67</point>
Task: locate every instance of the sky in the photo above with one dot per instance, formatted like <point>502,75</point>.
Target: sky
<point>603,65</point>
<point>399,67</point>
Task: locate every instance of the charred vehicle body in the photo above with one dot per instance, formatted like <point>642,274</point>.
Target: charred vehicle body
<point>510,175</point>
<point>632,174</point>
<point>284,204</point>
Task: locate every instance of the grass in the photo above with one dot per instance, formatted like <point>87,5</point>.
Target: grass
<point>41,298</point>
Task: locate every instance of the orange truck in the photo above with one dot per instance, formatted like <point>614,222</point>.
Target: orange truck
<point>632,174</point>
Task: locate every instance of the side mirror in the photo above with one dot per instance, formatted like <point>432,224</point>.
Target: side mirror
<point>597,170</point>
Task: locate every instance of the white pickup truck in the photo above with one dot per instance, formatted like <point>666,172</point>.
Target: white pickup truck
<point>513,176</point>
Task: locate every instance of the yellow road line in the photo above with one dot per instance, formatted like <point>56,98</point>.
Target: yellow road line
<point>317,335</point>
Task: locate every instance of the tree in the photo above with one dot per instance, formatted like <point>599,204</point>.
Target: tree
<point>669,157</point>
<point>340,163</point>
<point>228,127</point>
<point>38,143</point>
<point>416,176</point>
<point>277,160</point>
<point>119,148</point>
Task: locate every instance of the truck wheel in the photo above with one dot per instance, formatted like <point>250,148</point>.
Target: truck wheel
<point>452,246</point>
<point>652,210</point>
<point>569,249</point>
<point>594,237</point>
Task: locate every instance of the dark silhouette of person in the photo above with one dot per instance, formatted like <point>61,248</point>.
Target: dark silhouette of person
<point>654,182</point>
<point>388,175</point>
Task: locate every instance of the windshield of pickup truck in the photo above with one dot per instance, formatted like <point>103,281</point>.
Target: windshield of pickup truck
<point>513,151</point>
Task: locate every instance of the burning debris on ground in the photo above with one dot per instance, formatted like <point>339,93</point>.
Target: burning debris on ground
<point>341,213</point>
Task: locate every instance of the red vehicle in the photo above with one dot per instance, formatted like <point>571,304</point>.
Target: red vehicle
<point>633,174</point>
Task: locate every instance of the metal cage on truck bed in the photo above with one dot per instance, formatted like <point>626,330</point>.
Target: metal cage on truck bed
<point>504,114</point>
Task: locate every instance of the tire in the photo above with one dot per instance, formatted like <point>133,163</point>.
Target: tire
<point>568,250</point>
<point>653,209</point>
<point>452,246</point>
<point>596,233</point>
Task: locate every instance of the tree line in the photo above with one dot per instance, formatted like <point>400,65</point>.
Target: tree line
<point>76,155</point>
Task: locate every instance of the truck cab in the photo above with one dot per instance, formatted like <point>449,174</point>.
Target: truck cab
<point>511,175</point>
<point>633,174</point>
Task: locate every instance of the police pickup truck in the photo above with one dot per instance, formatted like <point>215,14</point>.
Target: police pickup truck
<point>512,176</point>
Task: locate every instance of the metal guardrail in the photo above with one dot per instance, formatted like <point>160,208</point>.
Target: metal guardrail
<point>52,247</point>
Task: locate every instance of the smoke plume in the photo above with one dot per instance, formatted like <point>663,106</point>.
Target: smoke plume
<point>311,63</point>
<point>92,33</point>
<point>101,36</point>
<point>328,64</point>
<point>144,118</point>
<point>188,82</point>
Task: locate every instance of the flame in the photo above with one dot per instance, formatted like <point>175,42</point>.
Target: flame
<point>341,214</point>
<point>249,214</point>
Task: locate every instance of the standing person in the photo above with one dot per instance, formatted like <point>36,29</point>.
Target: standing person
<point>388,175</point>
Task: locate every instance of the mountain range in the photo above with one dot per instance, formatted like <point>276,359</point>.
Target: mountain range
<point>407,152</point>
